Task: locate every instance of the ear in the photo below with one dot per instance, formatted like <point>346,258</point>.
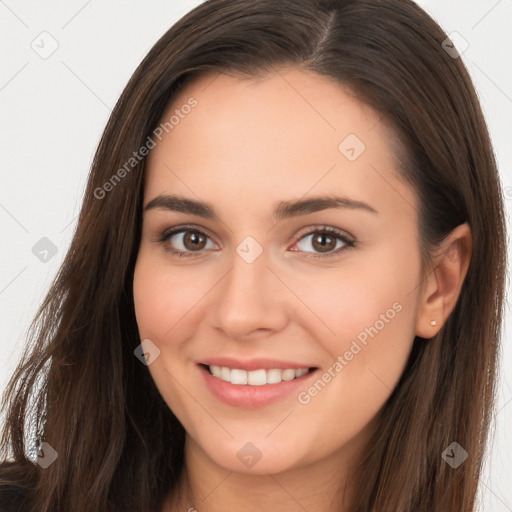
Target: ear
<point>441,287</point>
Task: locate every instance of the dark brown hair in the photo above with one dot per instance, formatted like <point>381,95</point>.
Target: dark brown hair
<point>79,386</point>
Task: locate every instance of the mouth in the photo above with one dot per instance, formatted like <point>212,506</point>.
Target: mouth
<point>259,377</point>
<point>260,382</point>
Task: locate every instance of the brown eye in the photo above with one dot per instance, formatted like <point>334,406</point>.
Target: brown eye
<point>323,242</point>
<point>185,242</point>
<point>326,241</point>
<point>194,240</point>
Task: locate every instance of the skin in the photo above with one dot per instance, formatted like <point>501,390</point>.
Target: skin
<point>247,145</point>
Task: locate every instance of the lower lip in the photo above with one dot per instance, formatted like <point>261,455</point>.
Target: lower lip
<point>252,397</point>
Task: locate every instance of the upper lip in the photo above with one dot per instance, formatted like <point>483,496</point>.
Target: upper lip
<point>253,364</point>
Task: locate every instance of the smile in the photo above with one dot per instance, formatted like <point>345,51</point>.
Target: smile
<point>260,382</point>
<point>259,377</point>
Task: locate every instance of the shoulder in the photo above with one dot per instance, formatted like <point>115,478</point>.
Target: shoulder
<point>14,486</point>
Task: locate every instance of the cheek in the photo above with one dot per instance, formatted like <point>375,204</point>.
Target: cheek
<point>357,300</point>
<point>353,388</point>
<point>164,305</point>
<point>164,298</point>
<point>371,316</point>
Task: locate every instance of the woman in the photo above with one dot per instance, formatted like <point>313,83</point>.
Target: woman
<point>286,285</point>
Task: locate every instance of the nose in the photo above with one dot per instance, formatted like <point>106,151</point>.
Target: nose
<point>250,300</point>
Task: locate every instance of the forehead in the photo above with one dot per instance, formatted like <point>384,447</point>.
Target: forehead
<point>288,132</point>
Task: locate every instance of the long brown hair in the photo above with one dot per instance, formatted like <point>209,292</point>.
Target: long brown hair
<point>79,386</point>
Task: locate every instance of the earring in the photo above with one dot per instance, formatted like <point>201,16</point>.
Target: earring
<point>433,322</point>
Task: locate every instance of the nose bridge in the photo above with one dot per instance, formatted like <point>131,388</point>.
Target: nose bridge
<point>247,282</point>
<point>249,298</point>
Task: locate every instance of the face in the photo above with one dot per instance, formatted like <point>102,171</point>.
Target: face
<point>304,310</point>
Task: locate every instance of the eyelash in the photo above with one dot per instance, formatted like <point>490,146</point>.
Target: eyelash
<point>320,229</point>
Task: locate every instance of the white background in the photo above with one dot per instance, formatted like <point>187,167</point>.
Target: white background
<point>53,111</point>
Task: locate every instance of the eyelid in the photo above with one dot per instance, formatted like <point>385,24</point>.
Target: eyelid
<point>343,235</point>
<point>337,233</point>
<point>165,234</point>
<point>325,228</point>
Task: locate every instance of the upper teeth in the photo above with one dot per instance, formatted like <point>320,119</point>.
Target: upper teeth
<point>256,377</point>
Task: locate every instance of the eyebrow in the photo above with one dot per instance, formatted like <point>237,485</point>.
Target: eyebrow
<point>283,210</point>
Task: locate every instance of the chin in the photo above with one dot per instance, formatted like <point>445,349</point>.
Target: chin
<point>258,457</point>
